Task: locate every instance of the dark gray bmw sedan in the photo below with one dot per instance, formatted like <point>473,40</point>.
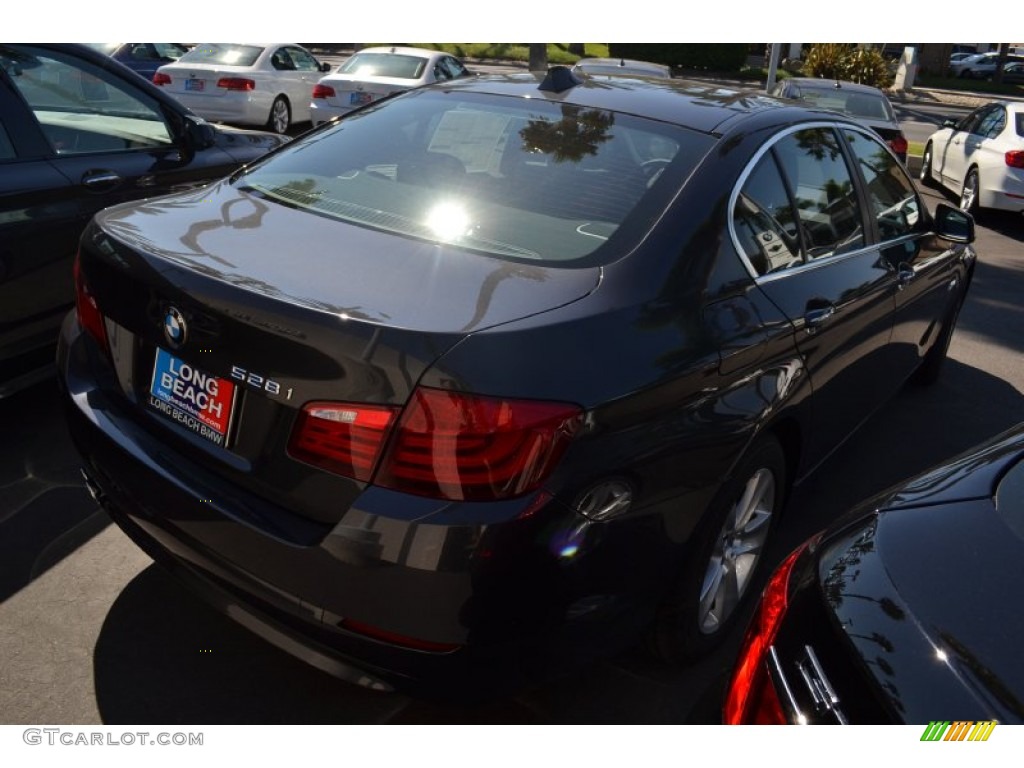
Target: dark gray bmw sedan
<point>493,378</point>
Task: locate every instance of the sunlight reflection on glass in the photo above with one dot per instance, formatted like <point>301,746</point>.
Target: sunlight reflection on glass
<point>448,221</point>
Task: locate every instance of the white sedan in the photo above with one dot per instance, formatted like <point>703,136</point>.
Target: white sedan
<point>981,157</point>
<point>373,73</point>
<point>265,84</point>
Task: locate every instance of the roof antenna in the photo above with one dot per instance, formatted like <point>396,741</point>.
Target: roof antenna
<point>559,78</point>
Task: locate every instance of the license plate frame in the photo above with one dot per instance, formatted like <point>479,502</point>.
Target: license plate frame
<point>197,400</point>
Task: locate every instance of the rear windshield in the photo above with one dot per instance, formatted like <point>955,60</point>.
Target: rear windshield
<point>518,178</point>
<point>863,105</point>
<point>223,53</point>
<point>384,65</point>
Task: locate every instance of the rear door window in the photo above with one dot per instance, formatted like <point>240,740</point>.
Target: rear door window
<point>823,190</point>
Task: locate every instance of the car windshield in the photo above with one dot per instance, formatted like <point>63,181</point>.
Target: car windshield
<point>868,106</point>
<point>384,65</point>
<point>511,177</point>
<point>223,53</point>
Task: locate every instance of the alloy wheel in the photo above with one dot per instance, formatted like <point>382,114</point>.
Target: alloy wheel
<point>737,551</point>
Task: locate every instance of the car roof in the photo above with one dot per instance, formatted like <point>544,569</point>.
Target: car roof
<point>403,50</point>
<point>824,83</point>
<point>700,106</point>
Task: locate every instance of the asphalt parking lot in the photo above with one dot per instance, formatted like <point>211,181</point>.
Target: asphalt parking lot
<point>91,631</point>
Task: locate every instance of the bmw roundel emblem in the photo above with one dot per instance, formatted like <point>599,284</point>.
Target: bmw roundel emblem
<point>175,329</point>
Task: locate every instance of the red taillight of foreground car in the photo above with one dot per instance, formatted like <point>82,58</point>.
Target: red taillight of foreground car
<point>322,91</point>
<point>751,698</point>
<point>159,78</point>
<point>344,438</point>
<point>1015,158</point>
<point>236,84</point>
<point>88,313</point>
<point>453,445</point>
<point>446,445</point>
<point>898,145</point>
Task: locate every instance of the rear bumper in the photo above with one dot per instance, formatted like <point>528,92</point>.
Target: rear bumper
<point>495,605</point>
<point>241,108</point>
<point>320,112</point>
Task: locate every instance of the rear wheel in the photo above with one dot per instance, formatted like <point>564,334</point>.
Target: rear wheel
<point>725,556</point>
<point>280,116</point>
<point>969,195</point>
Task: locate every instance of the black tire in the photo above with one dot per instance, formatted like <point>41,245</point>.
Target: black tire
<point>925,176</point>
<point>697,615</point>
<point>931,367</point>
<point>280,119</point>
<point>969,194</point>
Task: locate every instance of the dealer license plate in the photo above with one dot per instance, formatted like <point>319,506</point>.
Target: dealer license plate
<point>360,98</point>
<point>193,398</point>
<point>195,85</point>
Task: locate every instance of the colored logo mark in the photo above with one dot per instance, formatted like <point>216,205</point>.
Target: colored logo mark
<point>959,730</point>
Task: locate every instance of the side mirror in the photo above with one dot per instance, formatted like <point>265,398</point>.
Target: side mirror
<point>325,67</point>
<point>949,122</point>
<point>953,224</point>
<point>199,134</point>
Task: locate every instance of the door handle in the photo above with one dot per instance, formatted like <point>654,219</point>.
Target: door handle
<point>817,316</point>
<point>100,181</point>
<point>904,277</point>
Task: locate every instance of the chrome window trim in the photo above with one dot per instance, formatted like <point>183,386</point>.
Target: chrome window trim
<point>821,261</point>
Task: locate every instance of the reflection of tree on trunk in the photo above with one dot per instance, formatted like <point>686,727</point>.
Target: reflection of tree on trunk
<point>490,285</point>
<point>578,134</point>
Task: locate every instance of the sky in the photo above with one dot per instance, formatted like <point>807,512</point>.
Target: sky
<point>635,21</point>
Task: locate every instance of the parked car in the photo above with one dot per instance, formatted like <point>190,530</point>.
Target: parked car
<point>980,157</point>
<point>499,375</point>
<point>373,73</point>
<point>143,58</point>
<point>980,66</point>
<point>864,102</point>
<point>78,132</point>
<point>908,613</point>
<point>1014,73</point>
<point>626,67</point>
<point>264,84</point>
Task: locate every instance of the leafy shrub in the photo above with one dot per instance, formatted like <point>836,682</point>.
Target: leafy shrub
<point>718,57</point>
<point>826,60</point>
<point>841,61</point>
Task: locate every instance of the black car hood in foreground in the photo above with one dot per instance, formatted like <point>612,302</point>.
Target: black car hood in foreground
<point>331,266</point>
<point>930,595</point>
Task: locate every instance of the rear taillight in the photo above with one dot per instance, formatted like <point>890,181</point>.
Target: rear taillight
<point>159,78</point>
<point>446,445</point>
<point>236,84</point>
<point>1015,158</point>
<point>751,698</point>
<point>322,91</point>
<point>452,445</point>
<point>89,315</point>
<point>898,145</point>
<point>344,438</point>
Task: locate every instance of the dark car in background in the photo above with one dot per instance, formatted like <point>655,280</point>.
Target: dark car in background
<point>143,58</point>
<point>497,376</point>
<point>79,132</point>
<point>909,611</point>
<point>865,103</point>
